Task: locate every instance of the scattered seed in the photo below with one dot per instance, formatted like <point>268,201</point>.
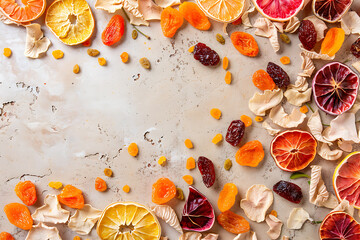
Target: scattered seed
<point>180,194</point>
<point>220,39</point>
<point>259,119</point>
<point>188,143</point>
<point>76,69</point>
<point>7,52</point>
<point>134,34</point>
<point>227,164</point>
<point>225,63</point>
<point>93,52</point>
<point>102,61</point>
<point>162,161</point>
<point>218,138</point>
<point>108,172</point>
<point>58,54</point>
<point>124,57</point>
<point>228,77</point>
<point>285,38</point>
<point>145,63</point>
<point>126,188</point>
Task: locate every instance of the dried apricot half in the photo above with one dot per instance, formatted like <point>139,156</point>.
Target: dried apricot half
<point>26,191</point>
<point>233,223</point>
<point>263,81</point>
<point>19,215</point>
<point>245,43</point>
<point>227,197</point>
<point>71,197</point>
<point>100,185</point>
<point>171,20</point>
<point>6,236</point>
<point>193,14</point>
<point>163,190</point>
<point>250,154</point>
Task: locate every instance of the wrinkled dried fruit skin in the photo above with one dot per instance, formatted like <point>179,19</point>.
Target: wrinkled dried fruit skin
<point>207,171</point>
<point>220,39</point>
<point>227,164</point>
<point>198,213</point>
<point>134,34</point>
<point>263,81</point>
<point>278,75</point>
<point>100,185</point>
<point>289,191</point>
<point>233,223</point>
<point>145,63</point>
<point>338,226</point>
<point>6,236</point>
<point>19,215</point>
<point>355,48</point>
<point>227,197</point>
<point>245,43</point>
<point>194,15</point>
<point>113,31</point>
<point>250,154</point>
<point>26,191</point>
<point>307,34</point>
<point>71,197</point>
<point>331,11</point>
<point>163,190</point>
<point>206,55</point>
<point>333,41</point>
<point>235,132</point>
<point>285,38</point>
<point>171,20</point>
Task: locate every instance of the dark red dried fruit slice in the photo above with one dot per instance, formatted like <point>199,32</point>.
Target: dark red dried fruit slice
<point>198,214</point>
<point>279,76</point>
<point>235,132</point>
<point>339,226</point>
<point>207,171</point>
<point>355,48</point>
<point>206,55</point>
<point>289,191</point>
<point>307,34</point>
<point>335,88</point>
<point>330,10</point>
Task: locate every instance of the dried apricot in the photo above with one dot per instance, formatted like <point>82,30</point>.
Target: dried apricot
<point>304,109</point>
<point>58,54</point>
<point>126,188</point>
<point>162,161</point>
<point>228,77</point>
<point>133,149</point>
<point>113,31</point>
<point>333,41</point>
<point>71,197</point>
<point>26,191</point>
<point>163,190</point>
<point>285,60</point>
<point>246,120</point>
<point>245,43</point>
<point>171,20</point>
<point>56,185</point>
<point>225,63</point>
<point>250,154</point>
<point>188,179</point>
<point>188,143</point>
<point>227,197</point>
<point>193,14</point>
<point>108,172</point>
<point>215,113</point>
<point>100,185</point>
<point>6,236</point>
<point>233,223</point>
<point>7,52</point>
<point>218,138</point>
<point>190,163</point>
<point>124,57</point>
<point>263,81</point>
<point>19,215</point>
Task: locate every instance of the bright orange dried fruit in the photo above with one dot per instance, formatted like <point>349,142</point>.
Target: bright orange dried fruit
<point>6,236</point>
<point>171,20</point>
<point>225,63</point>
<point>71,197</point>
<point>190,163</point>
<point>188,143</point>
<point>19,215</point>
<point>100,185</point>
<point>215,113</point>
<point>113,31</point>
<point>133,149</point>
<point>250,154</point>
<point>263,81</point>
<point>228,77</point>
<point>188,179</point>
<point>163,190</point>
<point>26,191</point>
<point>233,223</point>
<point>304,109</point>
<point>333,41</point>
<point>193,14</point>
<point>227,197</point>
<point>124,57</point>
<point>245,43</point>
<point>246,120</point>
<point>274,213</point>
<point>285,60</point>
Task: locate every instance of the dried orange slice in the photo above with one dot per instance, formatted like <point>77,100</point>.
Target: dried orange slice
<point>128,220</point>
<point>346,179</point>
<point>222,11</point>
<point>339,226</point>
<point>28,11</point>
<point>71,21</point>
<point>293,150</point>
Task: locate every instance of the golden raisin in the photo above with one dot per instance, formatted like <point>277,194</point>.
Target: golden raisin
<point>7,52</point>
<point>225,63</point>
<point>246,120</point>
<point>126,188</point>
<point>162,161</point>
<point>145,63</point>
<point>134,34</point>
<point>56,185</point>
<point>220,39</point>
<point>93,52</point>
<point>108,172</point>
<point>285,60</point>
<point>218,138</point>
<point>133,149</point>
<point>215,113</point>
<point>227,164</point>
<point>180,194</point>
<point>228,77</point>
<point>188,143</point>
<point>304,109</point>
<point>76,69</point>
<point>259,119</point>
<point>188,179</point>
<point>191,49</point>
<point>102,61</point>
<point>124,57</point>
<point>58,54</point>
<point>190,163</point>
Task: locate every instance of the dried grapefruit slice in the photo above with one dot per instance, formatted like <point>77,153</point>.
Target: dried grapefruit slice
<point>128,220</point>
<point>329,10</point>
<point>278,10</point>
<point>28,11</point>
<point>71,21</point>
<point>346,179</point>
<point>339,226</point>
<point>335,88</point>
<point>223,10</point>
<point>293,150</point>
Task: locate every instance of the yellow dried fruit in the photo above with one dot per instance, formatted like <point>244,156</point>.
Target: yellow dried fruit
<point>259,119</point>
<point>304,109</point>
<point>76,238</point>
<point>180,194</point>
<point>7,52</point>
<point>227,164</point>
<point>134,34</point>
<point>124,57</point>
<point>220,39</point>
<point>102,61</point>
<point>225,63</point>
<point>188,143</point>
<point>93,52</point>
<point>108,172</point>
<point>126,188</point>
<point>58,54</point>
<point>191,49</point>
<point>188,179</point>
<point>56,185</point>
<point>215,113</point>
<point>190,163</point>
<point>228,77</point>
<point>133,149</point>
<point>76,69</point>
<point>145,63</point>
<point>218,138</point>
<point>162,161</point>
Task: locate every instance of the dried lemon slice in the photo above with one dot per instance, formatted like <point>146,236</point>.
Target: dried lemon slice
<point>70,20</point>
<point>128,220</point>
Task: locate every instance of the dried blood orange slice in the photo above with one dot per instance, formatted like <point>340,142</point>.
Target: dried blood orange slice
<point>346,179</point>
<point>293,150</point>
<point>278,10</point>
<point>27,11</point>
<point>335,88</point>
<point>339,226</point>
<point>329,10</point>
<point>198,214</point>
<point>222,11</point>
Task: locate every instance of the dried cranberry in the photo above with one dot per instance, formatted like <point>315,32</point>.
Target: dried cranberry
<point>355,48</point>
<point>307,34</point>
<point>279,76</point>
<point>289,191</point>
<point>206,55</point>
<point>235,132</point>
<point>207,171</point>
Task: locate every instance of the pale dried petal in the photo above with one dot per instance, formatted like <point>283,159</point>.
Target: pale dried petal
<point>315,55</point>
<point>167,3</point>
<point>316,128</point>
<point>36,43</point>
<point>211,236</point>
<point>342,127</point>
<point>279,26</point>
<point>224,28</point>
<point>258,200</point>
<point>320,27</point>
<point>190,236</point>
<point>149,10</point>
<point>265,28</point>
<point>344,206</point>
<point>307,65</point>
<point>275,226</point>
<point>298,98</point>
<point>41,231</point>
<point>84,219</point>
<point>350,22</point>
<point>272,131</point>
<point>245,17</point>
<point>356,65</point>
<point>326,153</point>
<point>261,102</point>
<point>282,119</point>
<point>250,235</point>
<point>168,214</point>
<point>292,25</point>
<point>346,146</point>
<point>132,6</point>
<point>51,211</point>
<point>300,85</point>
<point>297,218</point>
<point>137,21</point>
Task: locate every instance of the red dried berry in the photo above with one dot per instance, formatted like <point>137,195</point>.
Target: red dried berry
<point>289,191</point>
<point>355,48</point>
<point>206,55</point>
<point>307,34</point>
<point>279,76</point>
<point>235,132</point>
<point>207,171</point>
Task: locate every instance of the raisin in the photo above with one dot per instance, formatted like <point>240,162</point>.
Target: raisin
<point>307,34</point>
<point>207,171</point>
<point>285,38</point>
<point>235,132</point>
<point>289,191</point>
<point>206,55</point>
<point>279,76</point>
<point>355,48</point>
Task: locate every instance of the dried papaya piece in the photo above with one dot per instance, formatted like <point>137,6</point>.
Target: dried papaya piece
<point>333,41</point>
<point>19,215</point>
<point>190,163</point>
<point>228,77</point>
<point>225,63</point>
<point>100,185</point>
<point>162,160</point>
<point>171,20</point>
<point>274,213</point>
<point>259,119</point>
<point>245,43</point>
<point>193,14</point>
<point>124,57</point>
<point>304,109</point>
<point>7,52</point>
<point>250,154</point>
<point>218,138</point>
<point>108,172</point>
<point>163,190</point>
<point>57,54</point>
<point>227,197</point>
<point>113,31</point>
<point>263,81</point>
<point>233,223</point>
<point>188,179</point>
<point>26,191</point>
<point>71,197</point>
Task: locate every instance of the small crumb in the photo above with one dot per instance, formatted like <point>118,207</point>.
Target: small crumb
<point>215,113</point>
<point>55,185</point>
<point>190,163</point>
<point>76,69</point>
<point>133,149</point>
<point>124,57</point>
<point>188,143</point>
<point>58,54</point>
<point>102,61</point>
<point>108,172</point>
<point>191,49</point>
<point>225,63</point>
<point>162,161</point>
<point>304,109</point>
<point>126,188</point>
<point>93,52</point>
<point>145,63</point>
<point>259,119</point>
<point>228,78</point>
<point>218,138</point>
<point>7,52</point>
<point>87,43</point>
<point>188,179</point>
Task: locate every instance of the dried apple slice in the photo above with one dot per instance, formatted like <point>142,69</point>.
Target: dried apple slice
<point>339,226</point>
